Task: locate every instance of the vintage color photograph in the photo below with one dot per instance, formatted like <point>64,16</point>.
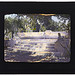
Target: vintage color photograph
<point>37,38</point>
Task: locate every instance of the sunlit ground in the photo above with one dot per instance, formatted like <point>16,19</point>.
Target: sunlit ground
<point>33,50</point>
<point>41,34</point>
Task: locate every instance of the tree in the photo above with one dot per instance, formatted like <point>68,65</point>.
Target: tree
<point>65,18</point>
<point>36,23</point>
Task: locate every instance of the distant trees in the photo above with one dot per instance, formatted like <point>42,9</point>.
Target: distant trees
<point>35,23</point>
<point>65,18</point>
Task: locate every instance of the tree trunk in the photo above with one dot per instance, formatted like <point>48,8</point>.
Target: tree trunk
<point>12,34</point>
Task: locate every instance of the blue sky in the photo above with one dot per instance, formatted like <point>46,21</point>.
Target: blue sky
<point>10,15</point>
<point>55,19</point>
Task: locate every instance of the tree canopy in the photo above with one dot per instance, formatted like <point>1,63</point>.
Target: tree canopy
<point>35,23</point>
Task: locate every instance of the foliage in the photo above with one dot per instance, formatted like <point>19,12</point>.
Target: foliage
<point>64,18</point>
<point>35,23</point>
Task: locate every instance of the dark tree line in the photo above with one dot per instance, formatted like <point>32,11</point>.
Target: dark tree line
<point>35,23</point>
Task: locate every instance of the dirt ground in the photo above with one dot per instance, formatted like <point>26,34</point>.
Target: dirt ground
<point>33,50</point>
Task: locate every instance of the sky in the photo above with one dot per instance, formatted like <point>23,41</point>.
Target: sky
<point>55,19</point>
<point>10,15</point>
